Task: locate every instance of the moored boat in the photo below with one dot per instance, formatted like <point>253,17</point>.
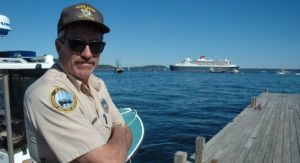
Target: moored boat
<point>216,70</point>
<point>203,65</point>
<point>18,69</point>
<point>234,71</point>
<point>118,69</point>
<point>13,60</point>
<point>282,72</point>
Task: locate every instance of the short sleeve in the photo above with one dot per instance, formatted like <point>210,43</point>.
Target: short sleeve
<point>68,133</point>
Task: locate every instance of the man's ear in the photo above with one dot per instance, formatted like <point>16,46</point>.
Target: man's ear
<point>58,45</point>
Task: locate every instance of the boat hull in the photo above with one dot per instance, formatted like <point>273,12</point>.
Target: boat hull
<point>200,68</point>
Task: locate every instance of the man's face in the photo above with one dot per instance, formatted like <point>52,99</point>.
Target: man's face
<point>79,64</point>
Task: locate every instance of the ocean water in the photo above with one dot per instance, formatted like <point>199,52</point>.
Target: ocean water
<point>176,107</point>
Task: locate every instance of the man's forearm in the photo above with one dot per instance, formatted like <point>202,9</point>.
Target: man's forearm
<point>119,141</point>
<point>114,151</point>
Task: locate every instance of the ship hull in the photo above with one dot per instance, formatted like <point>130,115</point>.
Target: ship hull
<point>200,68</point>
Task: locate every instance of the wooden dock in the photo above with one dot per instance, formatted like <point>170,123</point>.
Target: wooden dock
<point>266,131</point>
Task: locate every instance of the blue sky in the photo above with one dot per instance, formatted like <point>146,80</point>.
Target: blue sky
<point>251,33</point>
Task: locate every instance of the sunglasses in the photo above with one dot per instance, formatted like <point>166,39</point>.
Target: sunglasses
<point>78,45</point>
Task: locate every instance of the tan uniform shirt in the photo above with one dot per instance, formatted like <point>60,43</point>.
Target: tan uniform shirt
<point>65,119</point>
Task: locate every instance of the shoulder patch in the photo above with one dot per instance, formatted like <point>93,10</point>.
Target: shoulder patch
<point>63,100</point>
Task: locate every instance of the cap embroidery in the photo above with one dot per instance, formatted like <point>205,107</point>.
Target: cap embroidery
<point>86,11</point>
<point>63,100</point>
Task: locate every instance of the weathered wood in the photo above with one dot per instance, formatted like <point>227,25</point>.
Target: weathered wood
<point>295,157</point>
<point>253,102</point>
<point>273,137</point>
<point>265,139</point>
<point>200,143</point>
<point>239,137</point>
<point>269,133</point>
<point>180,157</point>
<point>266,90</point>
<point>286,157</point>
<point>296,116</point>
<point>226,136</point>
<point>262,127</point>
<point>279,142</point>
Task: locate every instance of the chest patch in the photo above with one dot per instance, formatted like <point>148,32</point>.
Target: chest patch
<point>63,100</point>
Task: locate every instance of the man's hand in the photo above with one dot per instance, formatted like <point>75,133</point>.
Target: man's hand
<point>115,151</point>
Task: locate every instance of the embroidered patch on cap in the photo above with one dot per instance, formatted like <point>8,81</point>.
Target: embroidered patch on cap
<point>63,100</point>
<point>104,105</point>
<point>86,11</point>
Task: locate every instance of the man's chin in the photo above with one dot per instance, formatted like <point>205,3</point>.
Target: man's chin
<point>83,76</point>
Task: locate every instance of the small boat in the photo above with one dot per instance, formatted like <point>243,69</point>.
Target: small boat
<point>118,69</point>
<point>263,71</point>
<point>282,72</point>
<point>216,70</point>
<point>297,73</point>
<point>234,71</point>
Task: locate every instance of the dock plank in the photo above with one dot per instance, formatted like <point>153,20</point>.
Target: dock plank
<point>295,157</point>
<point>272,140</point>
<point>287,134</point>
<point>258,143</point>
<point>270,133</point>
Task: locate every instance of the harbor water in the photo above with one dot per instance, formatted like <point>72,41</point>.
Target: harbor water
<point>176,107</point>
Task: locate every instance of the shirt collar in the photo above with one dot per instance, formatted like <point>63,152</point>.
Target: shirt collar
<point>92,82</point>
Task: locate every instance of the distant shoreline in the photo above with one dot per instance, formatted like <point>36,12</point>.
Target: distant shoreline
<point>165,68</point>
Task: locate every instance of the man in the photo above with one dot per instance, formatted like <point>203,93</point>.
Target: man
<point>69,114</point>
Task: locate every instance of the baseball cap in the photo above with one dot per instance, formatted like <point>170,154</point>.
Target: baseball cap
<point>81,12</point>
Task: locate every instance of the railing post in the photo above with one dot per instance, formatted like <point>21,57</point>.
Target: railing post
<point>8,119</point>
<point>180,157</point>
<point>200,142</point>
<point>253,102</point>
<point>266,90</point>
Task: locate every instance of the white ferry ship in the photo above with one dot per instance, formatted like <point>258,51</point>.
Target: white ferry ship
<point>204,65</point>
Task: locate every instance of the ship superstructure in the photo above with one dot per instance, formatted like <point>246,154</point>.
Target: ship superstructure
<point>203,64</point>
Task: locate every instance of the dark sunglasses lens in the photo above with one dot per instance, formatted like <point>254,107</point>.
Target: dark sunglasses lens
<point>77,45</point>
<point>96,47</point>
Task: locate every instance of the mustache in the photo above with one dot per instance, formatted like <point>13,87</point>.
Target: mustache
<point>83,60</point>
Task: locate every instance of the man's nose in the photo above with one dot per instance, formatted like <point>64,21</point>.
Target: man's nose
<point>86,53</point>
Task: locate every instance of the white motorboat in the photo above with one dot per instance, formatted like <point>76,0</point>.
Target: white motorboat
<point>18,69</point>
<point>282,72</point>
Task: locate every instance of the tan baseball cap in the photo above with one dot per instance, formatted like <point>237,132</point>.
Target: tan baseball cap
<point>81,12</point>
